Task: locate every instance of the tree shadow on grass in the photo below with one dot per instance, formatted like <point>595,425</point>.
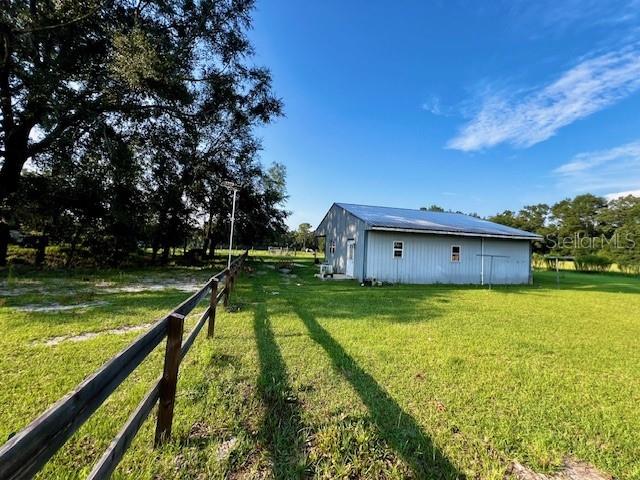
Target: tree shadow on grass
<point>399,429</point>
<point>282,429</point>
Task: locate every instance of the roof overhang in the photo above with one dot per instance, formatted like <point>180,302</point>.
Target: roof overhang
<point>456,233</point>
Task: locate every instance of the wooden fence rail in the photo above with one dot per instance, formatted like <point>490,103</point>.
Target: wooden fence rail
<point>30,449</point>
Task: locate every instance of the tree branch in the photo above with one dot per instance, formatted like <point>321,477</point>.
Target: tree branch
<point>59,25</point>
<point>66,122</point>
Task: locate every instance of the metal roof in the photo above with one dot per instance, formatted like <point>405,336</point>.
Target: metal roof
<point>387,218</point>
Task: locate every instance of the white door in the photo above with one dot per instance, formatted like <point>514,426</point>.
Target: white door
<point>351,254</point>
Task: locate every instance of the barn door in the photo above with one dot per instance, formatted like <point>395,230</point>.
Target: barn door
<point>351,255</point>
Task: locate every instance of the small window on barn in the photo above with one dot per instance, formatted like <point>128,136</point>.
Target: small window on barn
<point>455,253</point>
<point>398,249</point>
<point>332,247</point>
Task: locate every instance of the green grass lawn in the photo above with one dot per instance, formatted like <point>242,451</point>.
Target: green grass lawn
<point>333,380</point>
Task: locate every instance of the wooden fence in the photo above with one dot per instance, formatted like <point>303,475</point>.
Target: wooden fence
<point>30,449</point>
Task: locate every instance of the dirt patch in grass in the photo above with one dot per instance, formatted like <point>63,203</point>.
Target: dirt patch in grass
<point>571,470</point>
<point>56,307</point>
<point>89,335</point>
<point>188,286</point>
<point>225,448</point>
<point>148,284</point>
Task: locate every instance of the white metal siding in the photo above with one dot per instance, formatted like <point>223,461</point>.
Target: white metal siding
<point>427,259</point>
<point>513,269</point>
<point>340,225</point>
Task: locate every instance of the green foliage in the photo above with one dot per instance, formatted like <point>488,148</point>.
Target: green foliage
<point>142,110</point>
<point>584,226</point>
<point>432,208</point>
<point>304,236</point>
<point>532,218</point>
<point>538,260</point>
<point>135,60</point>
<point>577,217</point>
<point>592,263</point>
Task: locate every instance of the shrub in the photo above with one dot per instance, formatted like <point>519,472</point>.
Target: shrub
<point>56,256</point>
<point>288,264</point>
<point>538,261</point>
<point>630,267</point>
<point>549,261</point>
<point>592,263</point>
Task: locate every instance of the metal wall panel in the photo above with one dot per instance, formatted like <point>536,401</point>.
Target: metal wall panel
<point>515,268</point>
<point>340,225</point>
<point>427,259</point>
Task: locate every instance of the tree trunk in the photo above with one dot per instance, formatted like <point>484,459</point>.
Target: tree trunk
<point>206,233</point>
<point>16,140</point>
<point>72,250</point>
<point>165,253</point>
<point>43,241</point>
<point>4,242</point>
<point>15,156</point>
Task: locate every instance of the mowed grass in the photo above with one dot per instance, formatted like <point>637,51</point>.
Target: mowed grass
<point>333,380</point>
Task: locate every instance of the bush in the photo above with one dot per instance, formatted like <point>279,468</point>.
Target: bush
<point>17,255</point>
<point>550,262</point>
<point>630,267</point>
<point>592,263</point>
<point>56,256</point>
<point>538,261</point>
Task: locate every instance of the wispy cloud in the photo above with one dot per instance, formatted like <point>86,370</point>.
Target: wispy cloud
<point>576,14</point>
<point>434,106</point>
<point>614,170</point>
<point>524,118</point>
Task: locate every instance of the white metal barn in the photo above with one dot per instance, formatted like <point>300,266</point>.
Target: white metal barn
<point>414,246</point>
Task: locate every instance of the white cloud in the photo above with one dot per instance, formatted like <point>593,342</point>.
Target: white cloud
<point>616,169</point>
<point>590,160</point>
<point>537,114</point>
<point>612,196</point>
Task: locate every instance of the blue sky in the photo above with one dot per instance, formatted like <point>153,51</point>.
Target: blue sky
<point>474,106</point>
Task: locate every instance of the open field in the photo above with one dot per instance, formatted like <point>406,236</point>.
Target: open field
<point>332,380</point>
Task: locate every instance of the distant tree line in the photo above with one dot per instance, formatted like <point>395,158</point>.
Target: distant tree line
<point>120,122</point>
<point>439,209</point>
<point>595,231</point>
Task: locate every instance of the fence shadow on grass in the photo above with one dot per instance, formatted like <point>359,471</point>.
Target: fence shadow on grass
<point>282,429</point>
<point>399,429</point>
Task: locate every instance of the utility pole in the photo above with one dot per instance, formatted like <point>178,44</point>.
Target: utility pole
<point>231,186</point>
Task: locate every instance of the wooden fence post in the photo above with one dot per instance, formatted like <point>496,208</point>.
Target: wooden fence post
<point>212,307</point>
<point>169,378</point>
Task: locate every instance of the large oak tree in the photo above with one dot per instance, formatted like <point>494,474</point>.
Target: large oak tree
<point>70,69</point>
